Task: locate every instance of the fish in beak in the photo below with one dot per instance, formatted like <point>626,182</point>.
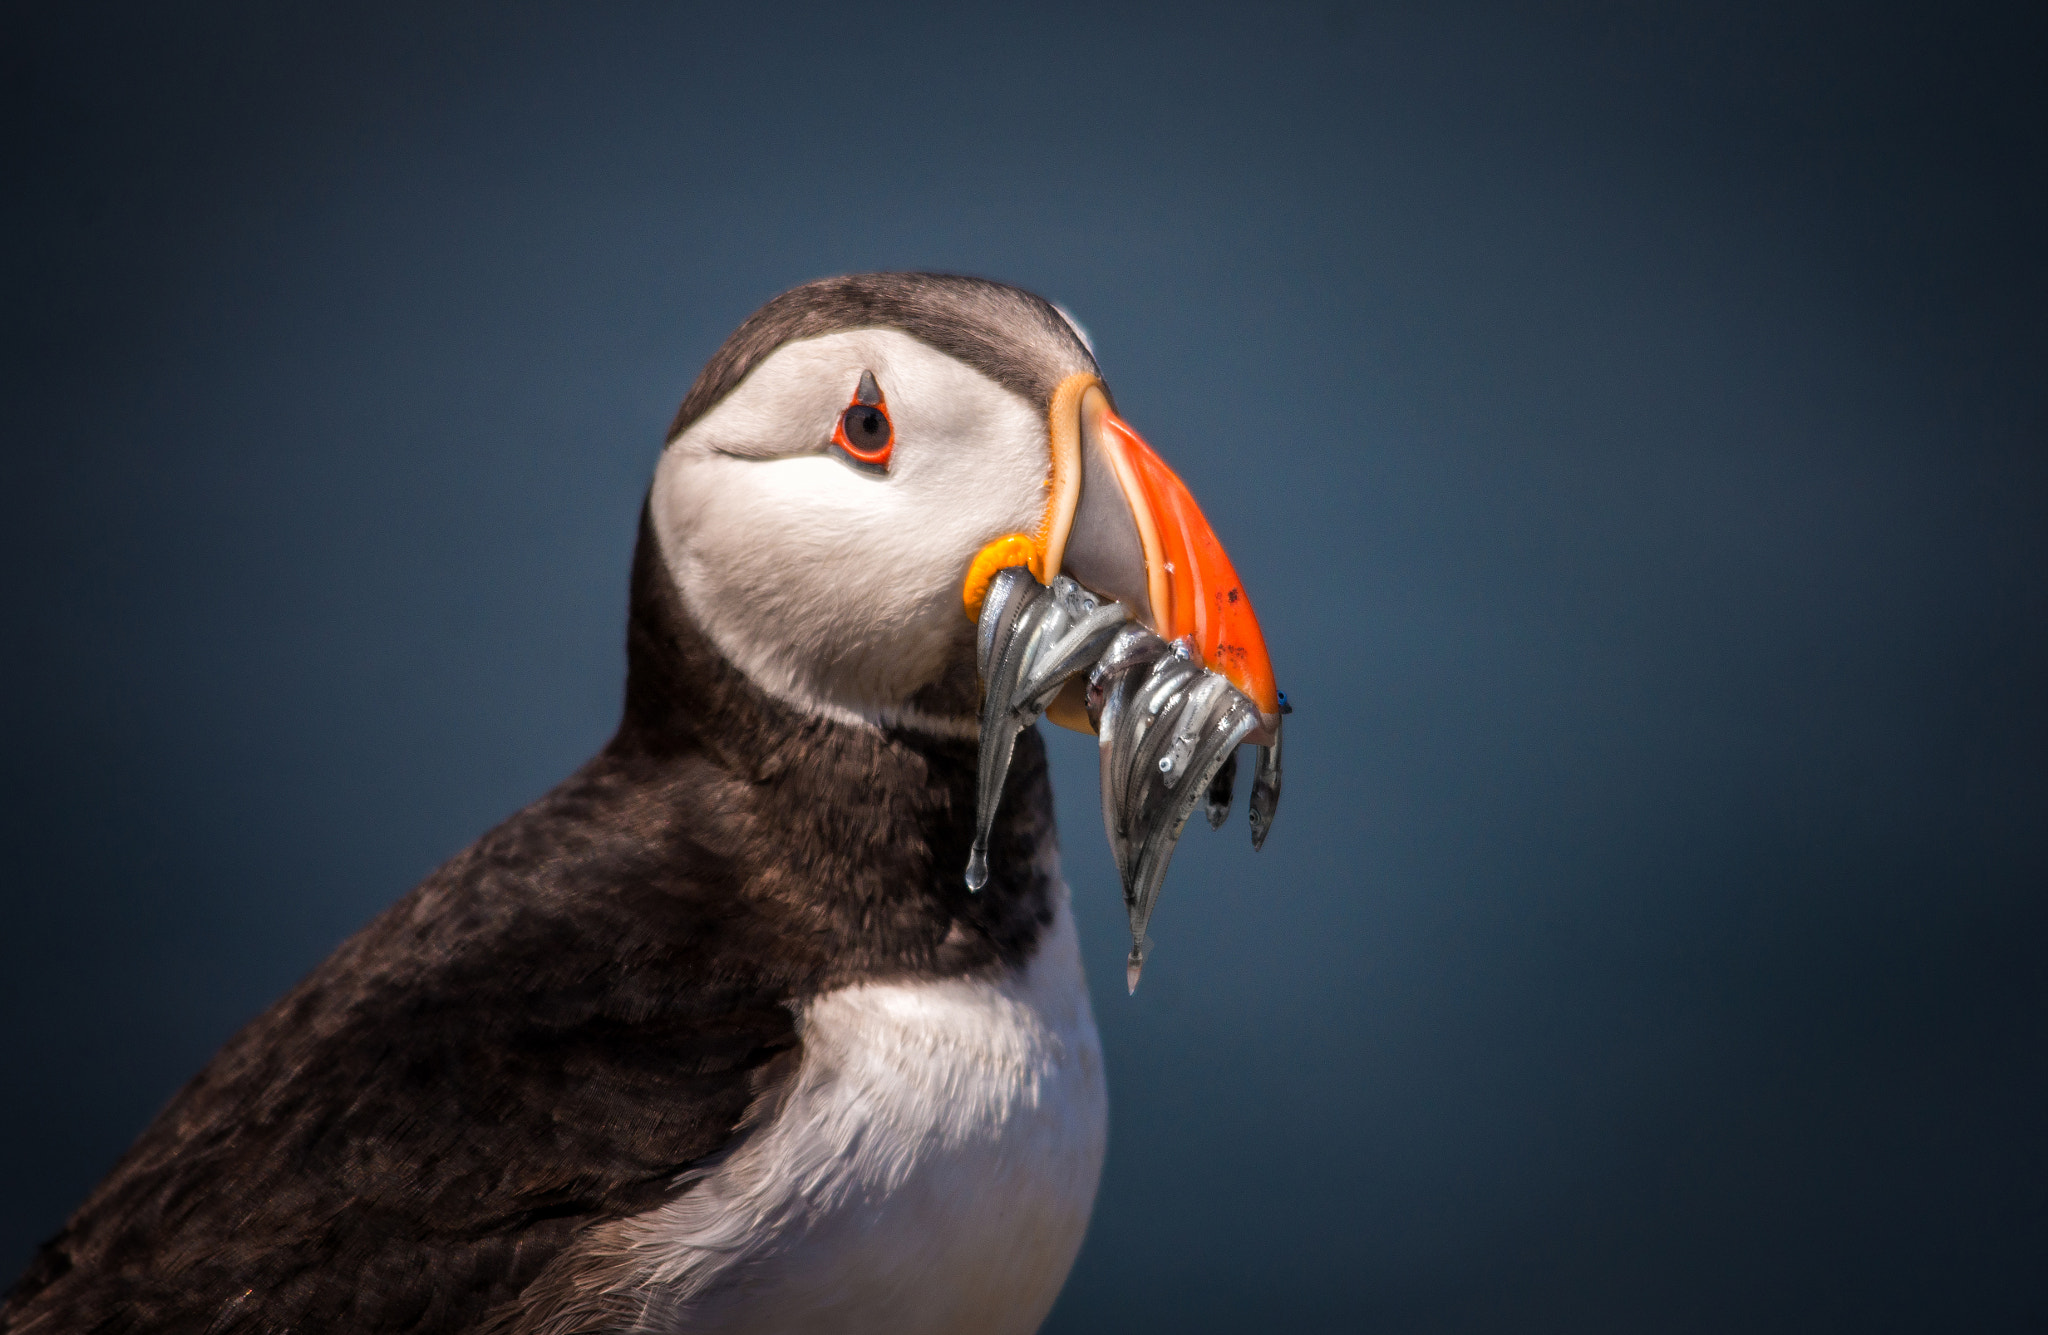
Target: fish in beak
<point>1123,616</point>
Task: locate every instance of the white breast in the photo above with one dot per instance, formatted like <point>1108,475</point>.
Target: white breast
<point>932,1170</point>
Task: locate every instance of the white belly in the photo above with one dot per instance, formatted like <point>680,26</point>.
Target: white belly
<point>932,1170</point>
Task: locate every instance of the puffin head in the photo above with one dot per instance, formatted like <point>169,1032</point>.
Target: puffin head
<point>865,453</point>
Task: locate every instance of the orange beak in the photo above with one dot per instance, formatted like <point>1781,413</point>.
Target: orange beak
<point>1121,523</point>
<point>1194,589</point>
<point>1132,531</point>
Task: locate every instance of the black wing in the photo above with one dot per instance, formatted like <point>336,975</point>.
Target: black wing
<point>533,1040</point>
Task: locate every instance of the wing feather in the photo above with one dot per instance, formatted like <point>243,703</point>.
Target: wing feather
<point>534,1040</point>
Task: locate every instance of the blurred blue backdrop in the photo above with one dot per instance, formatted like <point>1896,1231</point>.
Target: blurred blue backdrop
<point>1632,427</point>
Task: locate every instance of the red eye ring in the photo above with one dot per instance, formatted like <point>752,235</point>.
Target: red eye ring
<point>865,431</point>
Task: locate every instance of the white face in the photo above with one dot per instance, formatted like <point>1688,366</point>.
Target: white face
<point>834,587</point>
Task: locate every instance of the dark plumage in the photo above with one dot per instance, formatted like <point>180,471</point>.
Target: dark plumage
<point>595,996</point>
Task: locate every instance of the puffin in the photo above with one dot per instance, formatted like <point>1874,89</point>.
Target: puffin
<point>715,1036</point>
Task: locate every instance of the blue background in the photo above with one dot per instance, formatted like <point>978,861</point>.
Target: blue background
<point>1632,427</point>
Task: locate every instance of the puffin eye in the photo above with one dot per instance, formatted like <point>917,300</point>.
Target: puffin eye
<point>866,429</point>
<point>865,432</point>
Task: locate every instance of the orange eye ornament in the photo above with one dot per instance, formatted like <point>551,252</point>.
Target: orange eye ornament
<point>864,433</point>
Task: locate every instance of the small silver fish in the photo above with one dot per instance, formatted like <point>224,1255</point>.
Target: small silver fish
<point>1168,728</point>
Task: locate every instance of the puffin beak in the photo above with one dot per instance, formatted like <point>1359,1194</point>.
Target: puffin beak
<point>1123,525</point>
